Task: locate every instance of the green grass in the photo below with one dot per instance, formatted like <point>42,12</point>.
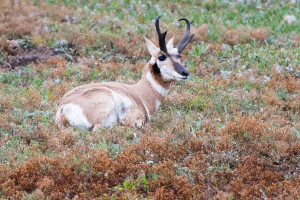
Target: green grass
<point>228,85</point>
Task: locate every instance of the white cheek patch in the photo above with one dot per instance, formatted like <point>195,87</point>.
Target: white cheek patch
<point>167,73</point>
<point>75,116</point>
<point>161,90</point>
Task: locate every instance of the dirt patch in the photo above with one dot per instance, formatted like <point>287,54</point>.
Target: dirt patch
<point>17,55</point>
<point>26,57</point>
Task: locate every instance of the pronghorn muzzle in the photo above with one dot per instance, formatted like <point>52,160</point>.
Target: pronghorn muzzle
<point>180,69</point>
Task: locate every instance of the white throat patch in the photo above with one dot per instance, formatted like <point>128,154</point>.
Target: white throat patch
<point>161,90</point>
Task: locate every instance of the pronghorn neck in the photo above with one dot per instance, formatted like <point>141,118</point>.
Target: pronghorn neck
<point>152,89</point>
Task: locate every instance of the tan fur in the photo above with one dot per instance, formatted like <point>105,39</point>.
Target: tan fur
<point>95,105</point>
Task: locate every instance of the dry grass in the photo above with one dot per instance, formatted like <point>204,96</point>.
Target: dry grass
<point>201,33</point>
<point>296,38</point>
<point>230,132</point>
<point>244,35</point>
<point>19,19</point>
<point>236,36</point>
<point>260,35</point>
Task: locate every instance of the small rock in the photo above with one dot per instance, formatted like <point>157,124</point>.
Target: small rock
<point>12,47</point>
<point>289,18</point>
<point>225,74</point>
<point>61,43</point>
<point>57,80</point>
<point>46,29</point>
<point>69,57</point>
<point>278,69</point>
<point>289,68</point>
<point>266,79</point>
<point>28,114</point>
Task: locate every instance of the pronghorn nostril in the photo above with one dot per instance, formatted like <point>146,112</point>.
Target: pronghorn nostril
<point>184,73</point>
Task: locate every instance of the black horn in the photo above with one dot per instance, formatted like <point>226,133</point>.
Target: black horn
<point>161,36</point>
<point>186,38</point>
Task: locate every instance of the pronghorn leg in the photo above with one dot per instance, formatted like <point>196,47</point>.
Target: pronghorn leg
<point>97,126</point>
<point>135,118</point>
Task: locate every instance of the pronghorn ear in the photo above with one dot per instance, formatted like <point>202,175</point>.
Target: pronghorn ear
<point>151,48</point>
<point>170,43</point>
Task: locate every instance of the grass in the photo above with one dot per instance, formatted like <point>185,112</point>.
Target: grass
<point>230,132</point>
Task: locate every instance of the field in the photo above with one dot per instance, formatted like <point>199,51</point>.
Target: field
<point>232,131</point>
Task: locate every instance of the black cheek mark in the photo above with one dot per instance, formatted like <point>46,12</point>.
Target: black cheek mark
<point>156,69</point>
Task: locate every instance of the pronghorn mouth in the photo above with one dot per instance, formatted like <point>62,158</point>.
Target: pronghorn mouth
<point>183,78</point>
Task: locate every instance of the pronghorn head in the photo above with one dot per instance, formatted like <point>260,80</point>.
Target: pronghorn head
<point>166,59</point>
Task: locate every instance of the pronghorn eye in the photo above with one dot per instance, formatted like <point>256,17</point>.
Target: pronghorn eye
<point>162,58</point>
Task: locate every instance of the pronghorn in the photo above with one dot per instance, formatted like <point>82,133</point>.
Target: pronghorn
<point>96,105</point>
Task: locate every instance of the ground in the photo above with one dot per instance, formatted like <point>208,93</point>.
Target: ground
<point>232,131</point>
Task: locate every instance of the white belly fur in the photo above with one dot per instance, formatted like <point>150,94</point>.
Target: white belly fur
<point>121,106</point>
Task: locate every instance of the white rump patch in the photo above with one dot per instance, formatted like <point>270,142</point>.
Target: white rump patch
<point>161,90</point>
<point>121,106</point>
<point>75,116</point>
